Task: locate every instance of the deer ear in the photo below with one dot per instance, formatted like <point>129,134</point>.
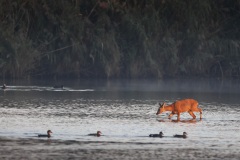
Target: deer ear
<point>163,104</point>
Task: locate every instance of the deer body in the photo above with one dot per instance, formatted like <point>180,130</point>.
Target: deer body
<point>185,105</point>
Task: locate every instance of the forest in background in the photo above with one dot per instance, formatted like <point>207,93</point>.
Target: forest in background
<point>119,38</point>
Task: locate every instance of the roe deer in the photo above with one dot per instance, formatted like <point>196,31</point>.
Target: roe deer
<point>185,105</point>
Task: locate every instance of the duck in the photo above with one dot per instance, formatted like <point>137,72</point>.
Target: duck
<point>184,135</point>
<point>156,135</point>
<point>46,135</point>
<point>98,134</point>
<point>4,86</point>
<point>58,86</point>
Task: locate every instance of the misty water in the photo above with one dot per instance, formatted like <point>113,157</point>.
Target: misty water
<point>124,111</point>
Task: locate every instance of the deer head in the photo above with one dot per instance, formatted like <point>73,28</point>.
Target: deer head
<point>161,108</point>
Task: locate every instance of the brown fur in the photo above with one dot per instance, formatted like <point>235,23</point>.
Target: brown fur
<point>185,105</point>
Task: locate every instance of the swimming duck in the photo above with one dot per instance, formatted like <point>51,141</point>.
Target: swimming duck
<point>4,86</point>
<point>58,87</point>
<point>98,134</point>
<point>156,135</point>
<point>46,135</point>
<point>184,135</point>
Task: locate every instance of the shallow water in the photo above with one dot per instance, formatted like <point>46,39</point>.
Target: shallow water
<point>125,112</point>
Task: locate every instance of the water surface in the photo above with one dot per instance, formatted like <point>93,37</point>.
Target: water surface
<point>125,112</point>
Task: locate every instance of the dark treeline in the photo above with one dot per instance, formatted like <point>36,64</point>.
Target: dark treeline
<point>119,38</point>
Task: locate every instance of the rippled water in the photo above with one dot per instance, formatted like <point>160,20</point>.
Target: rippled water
<point>125,112</point>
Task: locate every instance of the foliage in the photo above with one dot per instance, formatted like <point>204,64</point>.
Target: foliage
<point>119,38</point>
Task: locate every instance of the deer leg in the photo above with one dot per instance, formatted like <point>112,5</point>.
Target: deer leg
<point>200,110</point>
<point>178,116</point>
<point>192,114</point>
<point>170,115</point>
